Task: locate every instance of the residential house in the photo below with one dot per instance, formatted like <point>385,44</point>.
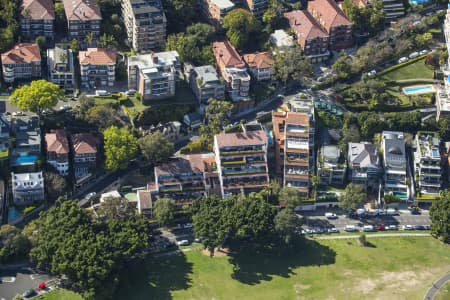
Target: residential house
<point>193,120</point>
<point>331,166</point>
<point>312,39</point>
<point>232,68</point>
<point>27,134</point>
<point>154,75</point>
<point>187,177</point>
<point>170,130</point>
<point>281,40</point>
<point>215,10</point>
<point>21,62</point>
<point>4,136</point>
<point>144,202</point>
<point>335,23</point>
<point>27,188</point>
<point>241,159</point>
<point>97,67</point>
<point>205,84</point>
<point>57,147</point>
<point>260,65</point>
<point>395,164</point>
<point>84,150</point>
<point>83,17</point>
<point>294,149</point>
<point>145,23</point>
<point>364,164</point>
<point>427,162</point>
<point>36,19</point>
<point>60,67</point>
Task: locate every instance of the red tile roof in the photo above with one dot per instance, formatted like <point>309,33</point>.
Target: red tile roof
<point>84,143</point>
<point>304,26</point>
<point>38,9</point>
<point>260,60</point>
<point>22,53</point>
<point>236,139</point>
<point>145,199</point>
<point>57,142</point>
<point>193,163</point>
<point>97,56</point>
<point>226,53</point>
<point>328,14</point>
<point>82,10</point>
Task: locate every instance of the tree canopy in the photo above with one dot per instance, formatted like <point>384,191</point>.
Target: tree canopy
<point>156,148</point>
<point>38,96</point>
<point>163,211</point>
<point>120,146</point>
<point>286,225</point>
<point>14,245</point>
<point>353,196</point>
<point>290,65</point>
<point>440,218</point>
<point>242,28</point>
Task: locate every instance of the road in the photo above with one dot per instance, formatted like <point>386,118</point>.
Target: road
<point>375,235</point>
<point>434,289</point>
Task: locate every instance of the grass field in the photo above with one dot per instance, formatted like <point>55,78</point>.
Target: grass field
<point>391,268</point>
<point>415,70</point>
<point>60,295</point>
<point>444,292</point>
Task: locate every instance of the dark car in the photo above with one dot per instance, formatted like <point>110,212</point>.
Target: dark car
<point>29,293</point>
<point>419,227</point>
<point>415,212</point>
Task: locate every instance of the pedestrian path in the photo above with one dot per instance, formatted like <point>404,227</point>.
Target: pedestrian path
<point>434,289</point>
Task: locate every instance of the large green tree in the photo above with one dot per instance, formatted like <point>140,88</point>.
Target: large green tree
<point>163,211</point>
<point>55,185</point>
<point>14,245</point>
<point>289,197</point>
<point>287,223</point>
<point>217,115</point>
<point>101,116</point>
<point>290,65</point>
<point>156,148</point>
<point>242,28</point>
<point>39,95</point>
<point>179,14</point>
<point>120,146</point>
<point>352,197</point>
<point>440,218</point>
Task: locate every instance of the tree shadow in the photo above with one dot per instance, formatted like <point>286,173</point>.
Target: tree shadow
<point>253,264</point>
<point>155,278</point>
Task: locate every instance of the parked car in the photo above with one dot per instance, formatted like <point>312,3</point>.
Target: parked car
<point>333,230</point>
<point>183,243</point>
<point>90,195</point>
<point>65,107</point>
<point>402,60</point>
<point>426,227</point>
<point>130,92</point>
<point>424,51</point>
<point>391,227</point>
<point>198,240</point>
<point>372,73</point>
<point>414,55</point>
<point>415,211</point>
<point>407,227</point>
<point>419,227</point>
<point>17,113</point>
<point>101,93</point>
<point>350,228</point>
<point>29,293</point>
<point>391,212</point>
<point>187,225</point>
<point>368,228</point>
<point>330,215</point>
<point>380,227</point>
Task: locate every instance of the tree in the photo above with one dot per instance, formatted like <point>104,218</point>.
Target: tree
<point>389,198</point>
<point>74,45</point>
<point>217,116</point>
<point>353,195</point>
<point>14,244</point>
<point>107,41</point>
<point>90,37</point>
<point>37,96</point>
<point>242,28</point>
<point>60,18</point>
<point>120,147</point>
<point>118,208</point>
<point>179,14</point>
<point>55,185</point>
<point>440,218</point>
<point>163,211</point>
<point>18,297</point>
<point>288,197</point>
<point>40,41</point>
<point>286,224</point>
<point>342,65</point>
<point>156,148</point>
<point>290,65</point>
<point>423,39</point>
<point>101,116</point>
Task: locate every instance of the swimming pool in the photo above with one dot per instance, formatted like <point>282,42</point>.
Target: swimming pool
<point>26,159</point>
<point>419,89</point>
<point>13,214</point>
<point>417,2</point>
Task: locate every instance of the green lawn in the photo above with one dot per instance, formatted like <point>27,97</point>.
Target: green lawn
<point>415,70</point>
<point>444,292</point>
<point>60,295</point>
<point>391,268</point>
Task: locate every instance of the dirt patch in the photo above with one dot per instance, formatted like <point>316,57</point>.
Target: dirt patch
<point>217,252</point>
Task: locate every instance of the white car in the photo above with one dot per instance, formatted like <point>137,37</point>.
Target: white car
<point>187,225</point>
<point>424,51</point>
<point>372,73</point>
<point>183,243</point>
<point>391,227</point>
<point>17,113</point>
<point>403,59</point>
<point>65,107</point>
<point>101,93</point>
<point>414,55</point>
<point>350,228</point>
<point>407,227</point>
<point>368,228</point>
<point>333,230</point>
<point>330,216</point>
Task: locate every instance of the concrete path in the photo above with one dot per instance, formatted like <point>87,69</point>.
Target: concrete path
<point>434,289</point>
<point>355,236</point>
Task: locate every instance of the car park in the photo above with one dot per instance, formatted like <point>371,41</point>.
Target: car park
<point>350,228</point>
<point>368,228</point>
<point>330,215</point>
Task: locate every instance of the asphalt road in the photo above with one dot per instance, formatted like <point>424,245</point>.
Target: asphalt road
<point>18,281</point>
<point>436,286</point>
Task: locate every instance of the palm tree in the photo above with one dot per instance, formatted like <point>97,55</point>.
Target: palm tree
<point>90,36</point>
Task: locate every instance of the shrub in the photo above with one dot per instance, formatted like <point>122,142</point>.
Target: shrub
<point>362,240</point>
<point>28,209</point>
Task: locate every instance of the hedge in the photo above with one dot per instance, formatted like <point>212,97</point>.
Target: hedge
<point>401,65</point>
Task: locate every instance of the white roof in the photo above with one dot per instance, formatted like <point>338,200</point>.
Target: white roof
<point>223,4</point>
<point>27,180</point>
<point>112,194</point>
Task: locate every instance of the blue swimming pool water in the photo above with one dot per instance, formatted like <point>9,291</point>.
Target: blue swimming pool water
<point>401,195</point>
<point>13,214</point>
<point>419,89</point>
<point>417,2</point>
<point>435,152</point>
<point>26,159</point>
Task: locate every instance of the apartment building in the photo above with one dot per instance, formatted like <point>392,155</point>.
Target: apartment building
<point>84,150</point>
<point>241,160</point>
<point>97,67</point>
<point>280,39</point>
<point>36,19</point>
<point>294,149</point>
<point>335,23</point>
<point>232,68</point>
<point>187,177</point>
<point>302,102</point>
<point>395,164</point>
<point>83,16</point>
<point>427,162</point>
<point>205,83</point>
<point>27,146</point>
<point>154,75</point>
<point>57,147</point>
<point>23,62</point>
<point>256,7</point>
<point>215,10</point>
<point>260,65</point>
<point>312,39</point>
<point>27,188</point>
<point>60,67</point>
<point>364,164</point>
<point>145,23</point>
<point>393,9</point>
<point>5,125</point>
<point>443,93</point>
<point>331,165</point>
